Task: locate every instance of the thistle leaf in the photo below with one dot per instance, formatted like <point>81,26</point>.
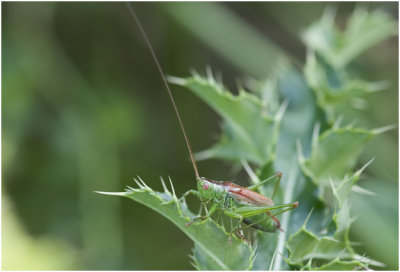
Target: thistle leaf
<point>320,252</point>
<point>331,50</point>
<point>335,154</point>
<point>249,132</point>
<point>364,30</point>
<point>209,238</point>
<point>337,93</point>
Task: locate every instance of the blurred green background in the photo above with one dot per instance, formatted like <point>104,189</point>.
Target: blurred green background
<point>84,109</point>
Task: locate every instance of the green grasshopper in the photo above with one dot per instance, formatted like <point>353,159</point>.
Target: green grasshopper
<point>235,201</point>
<point>240,202</point>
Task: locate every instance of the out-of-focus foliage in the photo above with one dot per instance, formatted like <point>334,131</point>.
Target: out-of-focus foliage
<point>363,30</point>
<point>19,245</point>
<point>338,91</point>
<point>84,110</point>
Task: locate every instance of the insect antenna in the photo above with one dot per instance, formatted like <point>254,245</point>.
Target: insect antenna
<point>136,19</point>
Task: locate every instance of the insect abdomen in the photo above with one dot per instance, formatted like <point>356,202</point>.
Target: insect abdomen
<point>264,223</point>
<point>246,196</point>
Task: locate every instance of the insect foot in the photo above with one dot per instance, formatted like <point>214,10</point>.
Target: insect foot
<point>194,220</point>
<point>230,239</point>
<point>240,234</point>
<point>188,224</point>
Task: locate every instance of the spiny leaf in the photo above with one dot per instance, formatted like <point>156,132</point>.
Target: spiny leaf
<point>318,252</point>
<point>364,30</point>
<point>208,237</point>
<point>334,154</point>
<point>304,245</point>
<point>342,191</point>
<point>249,132</point>
<point>337,93</point>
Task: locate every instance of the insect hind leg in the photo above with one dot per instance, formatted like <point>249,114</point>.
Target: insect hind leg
<point>278,175</point>
<point>287,207</point>
<point>278,224</point>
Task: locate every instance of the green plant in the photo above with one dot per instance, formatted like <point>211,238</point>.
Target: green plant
<point>309,136</point>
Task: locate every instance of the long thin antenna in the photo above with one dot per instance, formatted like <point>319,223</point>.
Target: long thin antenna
<point>132,12</point>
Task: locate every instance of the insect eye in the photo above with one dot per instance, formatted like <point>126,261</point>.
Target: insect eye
<point>206,186</point>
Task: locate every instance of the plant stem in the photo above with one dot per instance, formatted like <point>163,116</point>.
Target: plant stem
<point>285,217</point>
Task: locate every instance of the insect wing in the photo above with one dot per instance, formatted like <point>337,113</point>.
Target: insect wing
<point>248,197</point>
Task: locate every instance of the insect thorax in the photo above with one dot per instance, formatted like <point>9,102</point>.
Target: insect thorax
<point>230,202</point>
<point>210,189</point>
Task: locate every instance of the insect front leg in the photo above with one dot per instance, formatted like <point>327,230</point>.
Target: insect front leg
<point>193,192</point>
<point>201,218</point>
<point>203,204</point>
